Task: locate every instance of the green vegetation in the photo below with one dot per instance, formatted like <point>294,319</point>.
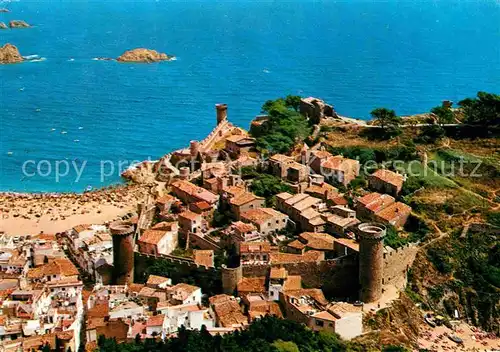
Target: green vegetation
<point>285,126</point>
<point>443,114</point>
<point>388,121</point>
<point>472,265</point>
<point>267,186</point>
<point>482,110</point>
<point>268,334</point>
<point>378,154</point>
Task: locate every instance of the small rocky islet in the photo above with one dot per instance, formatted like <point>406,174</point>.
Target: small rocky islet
<point>9,54</point>
<point>19,24</point>
<point>144,55</point>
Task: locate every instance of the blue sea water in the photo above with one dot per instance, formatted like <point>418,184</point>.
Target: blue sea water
<point>357,55</point>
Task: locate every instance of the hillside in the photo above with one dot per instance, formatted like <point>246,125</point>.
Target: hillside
<point>452,182</point>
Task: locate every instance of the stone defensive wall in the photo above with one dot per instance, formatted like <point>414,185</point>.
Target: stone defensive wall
<point>337,277</point>
<point>175,260</point>
<point>397,263</point>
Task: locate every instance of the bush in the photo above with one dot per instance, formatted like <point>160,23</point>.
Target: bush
<point>285,126</point>
<point>430,134</point>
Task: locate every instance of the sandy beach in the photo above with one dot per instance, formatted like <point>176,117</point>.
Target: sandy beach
<point>22,214</point>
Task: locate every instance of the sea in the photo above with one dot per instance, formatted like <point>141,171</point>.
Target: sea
<point>69,122</point>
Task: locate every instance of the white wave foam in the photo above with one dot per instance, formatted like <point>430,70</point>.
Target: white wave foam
<point>31,57</point>
<point>38,60</point>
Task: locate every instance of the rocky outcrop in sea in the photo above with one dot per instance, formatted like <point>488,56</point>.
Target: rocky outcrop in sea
<point>143,55</point>
<point>18,24</point>
<point>9,54</point>
<point>3,25</point>
<point>4,10</point>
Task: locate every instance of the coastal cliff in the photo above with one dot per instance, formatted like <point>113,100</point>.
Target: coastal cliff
<point>18,24</point>
<point>9,54</point>
<point>143,55</point>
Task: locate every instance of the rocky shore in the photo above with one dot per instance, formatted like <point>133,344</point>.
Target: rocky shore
<point>22,213</point>
<point>9,54</point>
<point>143,55</point>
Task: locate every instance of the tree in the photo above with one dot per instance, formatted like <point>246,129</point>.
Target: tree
<point>285,346</point>
<point>483,110</point>
<point>284,127</point>
<point>443,114</point>
<point>385,117</point>
<point>293,101</point>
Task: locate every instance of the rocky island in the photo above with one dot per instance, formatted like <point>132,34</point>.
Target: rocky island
<point>143,55</point>
<point>18,24</point>
<point>4,10</point>
<point>9,54</point>
<point>3,25</point>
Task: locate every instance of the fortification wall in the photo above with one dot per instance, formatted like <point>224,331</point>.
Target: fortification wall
<point>337,277</point>
<point>397,263</point>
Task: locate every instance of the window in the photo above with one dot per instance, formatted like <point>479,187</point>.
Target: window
<point>319,323</point>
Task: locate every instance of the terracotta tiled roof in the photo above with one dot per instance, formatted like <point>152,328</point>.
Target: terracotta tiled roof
<point>325,315</point>
<point>314,293</point>
<point>59,266</point>
<point>347,242</point>
<point>189,215</point>
<point>156,320</point>
<point>156,280</point>
<point>243,227</point>
<point>261,215</point>
<point>167,198</point>
<point>100,310</point>
<point>236,138</point>
<point>202,206</point>
<point>280,158</point>
<point>292,282</point>
<point>195,191</point>
<point>204,257</point>
<point>284,195</point>
<point>318,241</point>
<point>252,284</point>
<point>165,225</point>
<point>152,236</point>
<point>389,177</point>
<point>253,247</point>
<point>296,244</point>
<point>282,258</point>
<point>394,211</point>
<point>278,273</point>
<point>183,290</point>
<point>376,201</point>
<point>321,154</point>
<point>244,198</point>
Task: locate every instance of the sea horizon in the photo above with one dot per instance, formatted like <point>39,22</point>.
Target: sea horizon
<point>67,107</point>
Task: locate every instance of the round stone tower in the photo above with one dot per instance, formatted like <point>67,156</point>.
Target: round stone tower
<point>230,279</point>
<point>122,233</point>
<point>221,112</point>
<point>371,260</point>
<point>194,148</point>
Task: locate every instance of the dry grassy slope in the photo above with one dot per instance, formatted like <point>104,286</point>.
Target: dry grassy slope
<point>447,203</point>
<point>399,324</point>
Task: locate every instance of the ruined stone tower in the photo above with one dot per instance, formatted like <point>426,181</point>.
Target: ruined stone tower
<point>221,112</point>
<point>123,252</point>
<point>371,260</point>
<point>230,279</point>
